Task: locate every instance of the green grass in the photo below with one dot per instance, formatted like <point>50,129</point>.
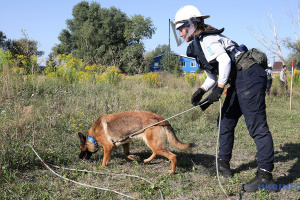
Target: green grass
<point>47,114</point>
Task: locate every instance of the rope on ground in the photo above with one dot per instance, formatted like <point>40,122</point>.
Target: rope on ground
<point>86,185</point>
<point>112,174</point>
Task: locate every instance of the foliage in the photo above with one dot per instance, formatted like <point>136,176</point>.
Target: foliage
<point>160,49</point>
<point>48,113</point>
<point>149,56</point>
<point>2,40</point>
<point>170,63</point>
<point>296,78</point>
<point>295,53</point>
<point>139,28</point>
<point>105,36</point>
<point>66,68</point>
<point>113,75</point>
<point>133,59</point>
<point>95,68</point>
<point>5,59</point>
<point>150,78</point>
<point>24,51</point>
<point>191,78</point>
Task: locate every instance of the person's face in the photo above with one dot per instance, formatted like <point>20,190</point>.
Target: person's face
<point>184,32</point>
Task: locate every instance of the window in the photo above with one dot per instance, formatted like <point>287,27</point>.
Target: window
<point>156,65</point>
<point>193,63</point>
<point>182,64</point>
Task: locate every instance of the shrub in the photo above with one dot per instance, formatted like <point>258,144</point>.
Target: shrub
<point>191,78</point>
<point>95,68</point>
<point>113,75</point>
<point>296,77</point>
<point>5,58</point>
<point>150,78</point>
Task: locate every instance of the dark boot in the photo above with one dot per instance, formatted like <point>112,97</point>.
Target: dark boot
<point>223,167</point>
<point>262,180</point>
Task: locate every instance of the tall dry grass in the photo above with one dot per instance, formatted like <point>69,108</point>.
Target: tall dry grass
<point>47,113</point>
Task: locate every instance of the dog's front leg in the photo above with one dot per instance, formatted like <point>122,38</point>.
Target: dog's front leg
<point>107,153</point>
<point>127,154</point>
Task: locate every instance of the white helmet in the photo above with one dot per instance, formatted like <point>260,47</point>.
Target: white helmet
<point>186,13</point>
<point>187,17</point>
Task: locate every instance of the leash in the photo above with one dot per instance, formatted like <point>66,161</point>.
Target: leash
<point>86,185</point>
<point>204,103</point>
<point>140,131</point>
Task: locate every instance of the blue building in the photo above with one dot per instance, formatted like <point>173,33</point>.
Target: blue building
<point>187,64</point>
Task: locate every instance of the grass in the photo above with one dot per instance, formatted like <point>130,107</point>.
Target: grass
<point>47,114</point>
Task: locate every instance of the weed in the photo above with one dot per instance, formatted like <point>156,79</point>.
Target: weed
<point>48,111</point>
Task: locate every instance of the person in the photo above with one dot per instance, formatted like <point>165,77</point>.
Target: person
<point>283,79</point>
<point>269,72</point>
<point>223,61</point>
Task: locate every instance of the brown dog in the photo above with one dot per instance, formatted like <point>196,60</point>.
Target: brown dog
<point>108,129</point>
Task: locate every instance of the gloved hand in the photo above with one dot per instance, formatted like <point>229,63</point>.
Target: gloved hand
<point>197,96</point>
<point>215,95</point>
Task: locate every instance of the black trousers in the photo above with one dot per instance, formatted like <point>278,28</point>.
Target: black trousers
<point>269,84</point>
<point>246,96</point>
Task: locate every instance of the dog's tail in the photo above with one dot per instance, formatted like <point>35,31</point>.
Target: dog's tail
<point>174,141</point>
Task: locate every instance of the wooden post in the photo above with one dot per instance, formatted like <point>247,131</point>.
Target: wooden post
<point>169,45</point>
<point>291,93</point>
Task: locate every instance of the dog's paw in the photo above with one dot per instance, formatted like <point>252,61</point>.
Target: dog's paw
<point>193,145</point>
<point>134,157</point>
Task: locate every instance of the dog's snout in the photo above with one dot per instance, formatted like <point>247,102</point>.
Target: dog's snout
<point>82,154</point>
<point>85,155</point>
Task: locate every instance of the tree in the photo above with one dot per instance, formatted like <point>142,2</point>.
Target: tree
<point>272,45</point>
<point>105,36</point>
<point>133,59</point>
<point>23,51</point>
<point>138,28</point>
<point>170,63</point>
<point>2,39</point>
<point>293,45</point>
<point>160,49</point>
<point>295,52</point>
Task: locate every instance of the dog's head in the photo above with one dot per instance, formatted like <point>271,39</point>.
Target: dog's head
<point>87,147</point>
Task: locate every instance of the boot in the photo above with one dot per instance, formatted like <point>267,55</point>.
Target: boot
<point>262,180</point>
<point>223,168</point>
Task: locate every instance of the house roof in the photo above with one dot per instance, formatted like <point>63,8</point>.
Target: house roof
<point>177,55</point>
<point>277,66</point>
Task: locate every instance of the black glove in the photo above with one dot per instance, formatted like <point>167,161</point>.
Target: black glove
<point>205,105</point>
<point>215,95</point>
<point>197,96</point>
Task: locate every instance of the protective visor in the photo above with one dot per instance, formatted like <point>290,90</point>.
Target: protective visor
<point>188,26</point>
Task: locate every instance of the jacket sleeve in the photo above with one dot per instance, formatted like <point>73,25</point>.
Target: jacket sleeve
<point>209,81</point>
<point>224,68</point>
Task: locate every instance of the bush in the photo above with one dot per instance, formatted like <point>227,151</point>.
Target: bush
<point>191,78</point>
<point>113,75</point>
<point>4,59</point>
<point>150,78</point>
<point>296,77</point>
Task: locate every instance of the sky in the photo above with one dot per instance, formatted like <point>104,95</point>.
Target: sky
<point>43,20</point>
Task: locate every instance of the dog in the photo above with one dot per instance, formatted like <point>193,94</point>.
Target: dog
<point>108,129</point>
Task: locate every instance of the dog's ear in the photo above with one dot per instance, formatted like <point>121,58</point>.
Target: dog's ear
<point>82,138</point>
